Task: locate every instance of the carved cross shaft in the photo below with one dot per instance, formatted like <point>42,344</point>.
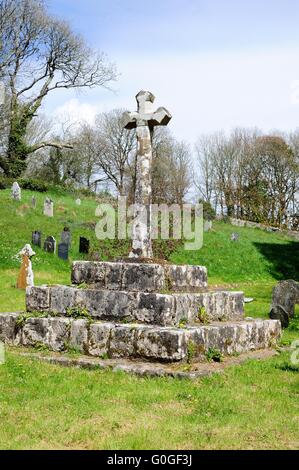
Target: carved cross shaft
<point>144,120</point>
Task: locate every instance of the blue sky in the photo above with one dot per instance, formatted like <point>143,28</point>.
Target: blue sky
<point>214,64</point>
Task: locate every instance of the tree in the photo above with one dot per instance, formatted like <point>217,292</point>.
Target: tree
<point>115,150</point>
<point>171,174</point>
<point>38,55</point>
<point>279,171</point>
<point>204,178</point>
<point>250,175</point>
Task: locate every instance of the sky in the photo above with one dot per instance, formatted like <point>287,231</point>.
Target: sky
<point>213,64</point>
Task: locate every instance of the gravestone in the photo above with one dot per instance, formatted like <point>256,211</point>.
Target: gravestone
<point>33,202</point>
<point>235,237</point>
<point>208,224</point>
<point>50,245</point>
<point>144,121</point>
<point>37,238</point>
<point>48,207</point>
<point>66,237</point>
<point>78,202</point>
<point>16,192</point>
<point>284,298</point>
<point>84,245</point>
<point>25,277</point>
<point>63,251</point>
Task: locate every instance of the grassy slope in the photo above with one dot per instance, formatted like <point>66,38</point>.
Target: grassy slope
<point>45,406</point>
<point>18,220</point>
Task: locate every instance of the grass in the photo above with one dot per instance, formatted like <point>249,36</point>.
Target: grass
<point>256,256</point>
<point>42,406</point>
<point>17,222</point>
<point>253,406</point>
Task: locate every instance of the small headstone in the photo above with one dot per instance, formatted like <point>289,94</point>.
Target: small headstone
<point>63,251</point>
<point>50,245</point>
<point>78,202</point>
<point>25,277</point>
<point>234,237</point>
<point>84,245</point>
<point>66,236</point>
<point>33,202</point>
<point>208,224</point>
<point>48,208</point>
<point>284,298</point>
<point>37,238</point>
<point>16,191</point>
<point>248,300</point>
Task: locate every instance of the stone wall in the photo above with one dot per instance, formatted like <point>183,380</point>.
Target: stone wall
<point>267,228</point>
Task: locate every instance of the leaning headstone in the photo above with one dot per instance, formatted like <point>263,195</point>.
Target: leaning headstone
<point>33,202</point>
<point>48,207</point>
<point>78,202</point>
<point>208,224</point>
<point>16,191</point>
<point>234,237</point>
<point>284,298</point>
<point>50,245</point>
<point>37,238</point>
<point>84,245</point>
<point>63,251</point>
<point>66,236</point>
<point>25,277</point>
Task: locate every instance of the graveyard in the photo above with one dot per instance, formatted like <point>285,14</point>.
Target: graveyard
<point>149,245</point>
<point>187,412</point>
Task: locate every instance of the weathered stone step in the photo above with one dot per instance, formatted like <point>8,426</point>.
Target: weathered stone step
<point>152,308</point>
<point>144,368</point>
<point>105,339</point>
<point>143,277</point>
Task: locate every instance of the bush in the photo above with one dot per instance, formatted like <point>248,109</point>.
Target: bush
<point>6,183</point>
<point>208,211</point>
<point>33,185</point>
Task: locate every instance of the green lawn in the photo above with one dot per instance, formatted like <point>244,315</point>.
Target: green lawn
<point>251,406</point>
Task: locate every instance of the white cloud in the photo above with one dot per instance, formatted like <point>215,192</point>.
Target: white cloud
<point>73,112</point>
<point>204,92</point>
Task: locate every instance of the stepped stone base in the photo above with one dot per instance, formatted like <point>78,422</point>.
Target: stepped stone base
<point>145,307</point>
<point>149,369</point>
<point>138,312</point>
<point>145,277</point>
<point>139,341</point>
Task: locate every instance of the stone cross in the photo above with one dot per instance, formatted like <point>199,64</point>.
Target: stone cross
<point>26,278</point>
<point>144,120</point>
